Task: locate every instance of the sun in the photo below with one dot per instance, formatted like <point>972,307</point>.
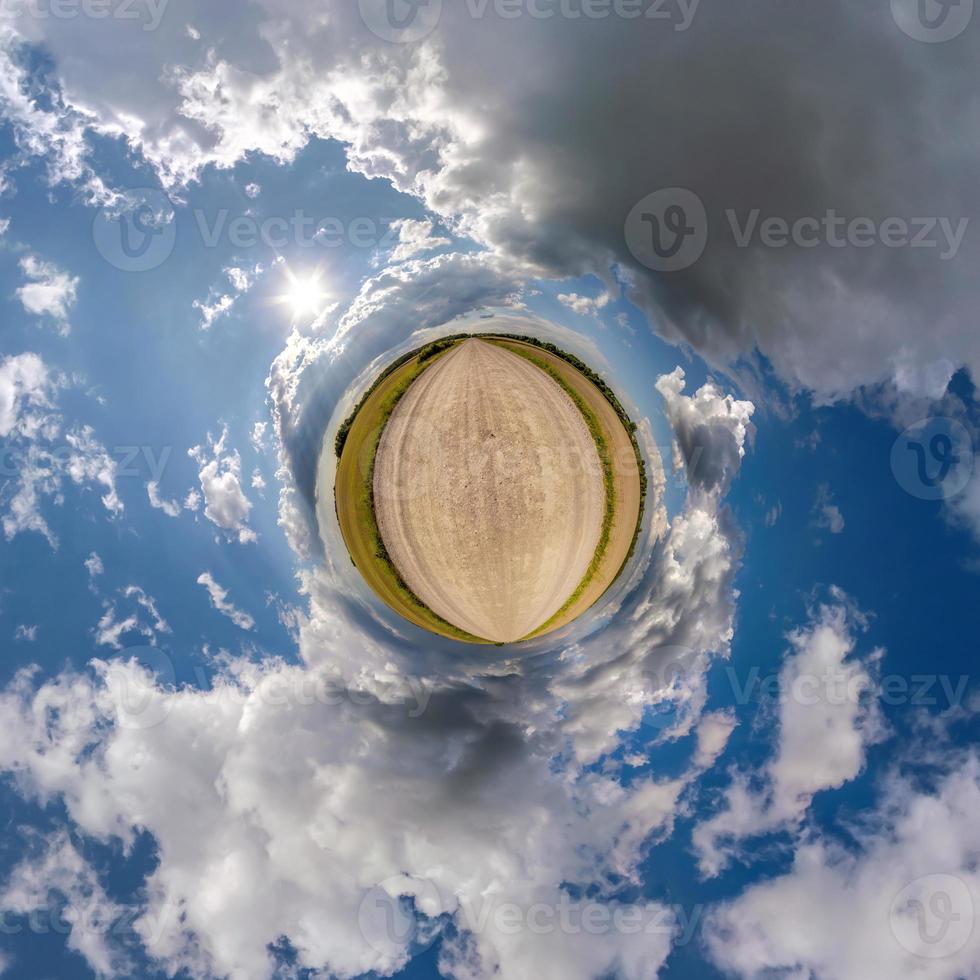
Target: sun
<point>305,294</point>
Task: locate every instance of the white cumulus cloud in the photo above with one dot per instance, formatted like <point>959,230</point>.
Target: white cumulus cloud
<point>320,793</point>
<point>170,507</point>
<point>219,601</point>
<point>827,718</point>
<point>225,503</point>
<point>48,291</point>
<point>900,904</point>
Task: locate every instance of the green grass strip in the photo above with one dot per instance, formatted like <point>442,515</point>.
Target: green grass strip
<point>424,357</point>
<point>365,512</point>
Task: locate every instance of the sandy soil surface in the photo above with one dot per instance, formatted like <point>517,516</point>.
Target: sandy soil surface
<point>626,477</point>
<point>488,492</point>
<point>355,512</point>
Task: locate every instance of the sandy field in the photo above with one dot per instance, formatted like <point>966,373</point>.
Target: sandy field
<point>488,492</point>
<point>626,479</point>
<point>354,507</point>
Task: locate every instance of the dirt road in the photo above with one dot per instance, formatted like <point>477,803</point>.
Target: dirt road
<point>488,492</point>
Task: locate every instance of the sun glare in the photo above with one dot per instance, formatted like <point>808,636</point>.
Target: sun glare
<point>305,295</point>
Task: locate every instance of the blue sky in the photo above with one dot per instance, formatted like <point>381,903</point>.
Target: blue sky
<point>221,756</point>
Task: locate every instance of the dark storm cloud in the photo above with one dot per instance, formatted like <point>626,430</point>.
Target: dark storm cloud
<point>790,111</point>
<point>539,136</point>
